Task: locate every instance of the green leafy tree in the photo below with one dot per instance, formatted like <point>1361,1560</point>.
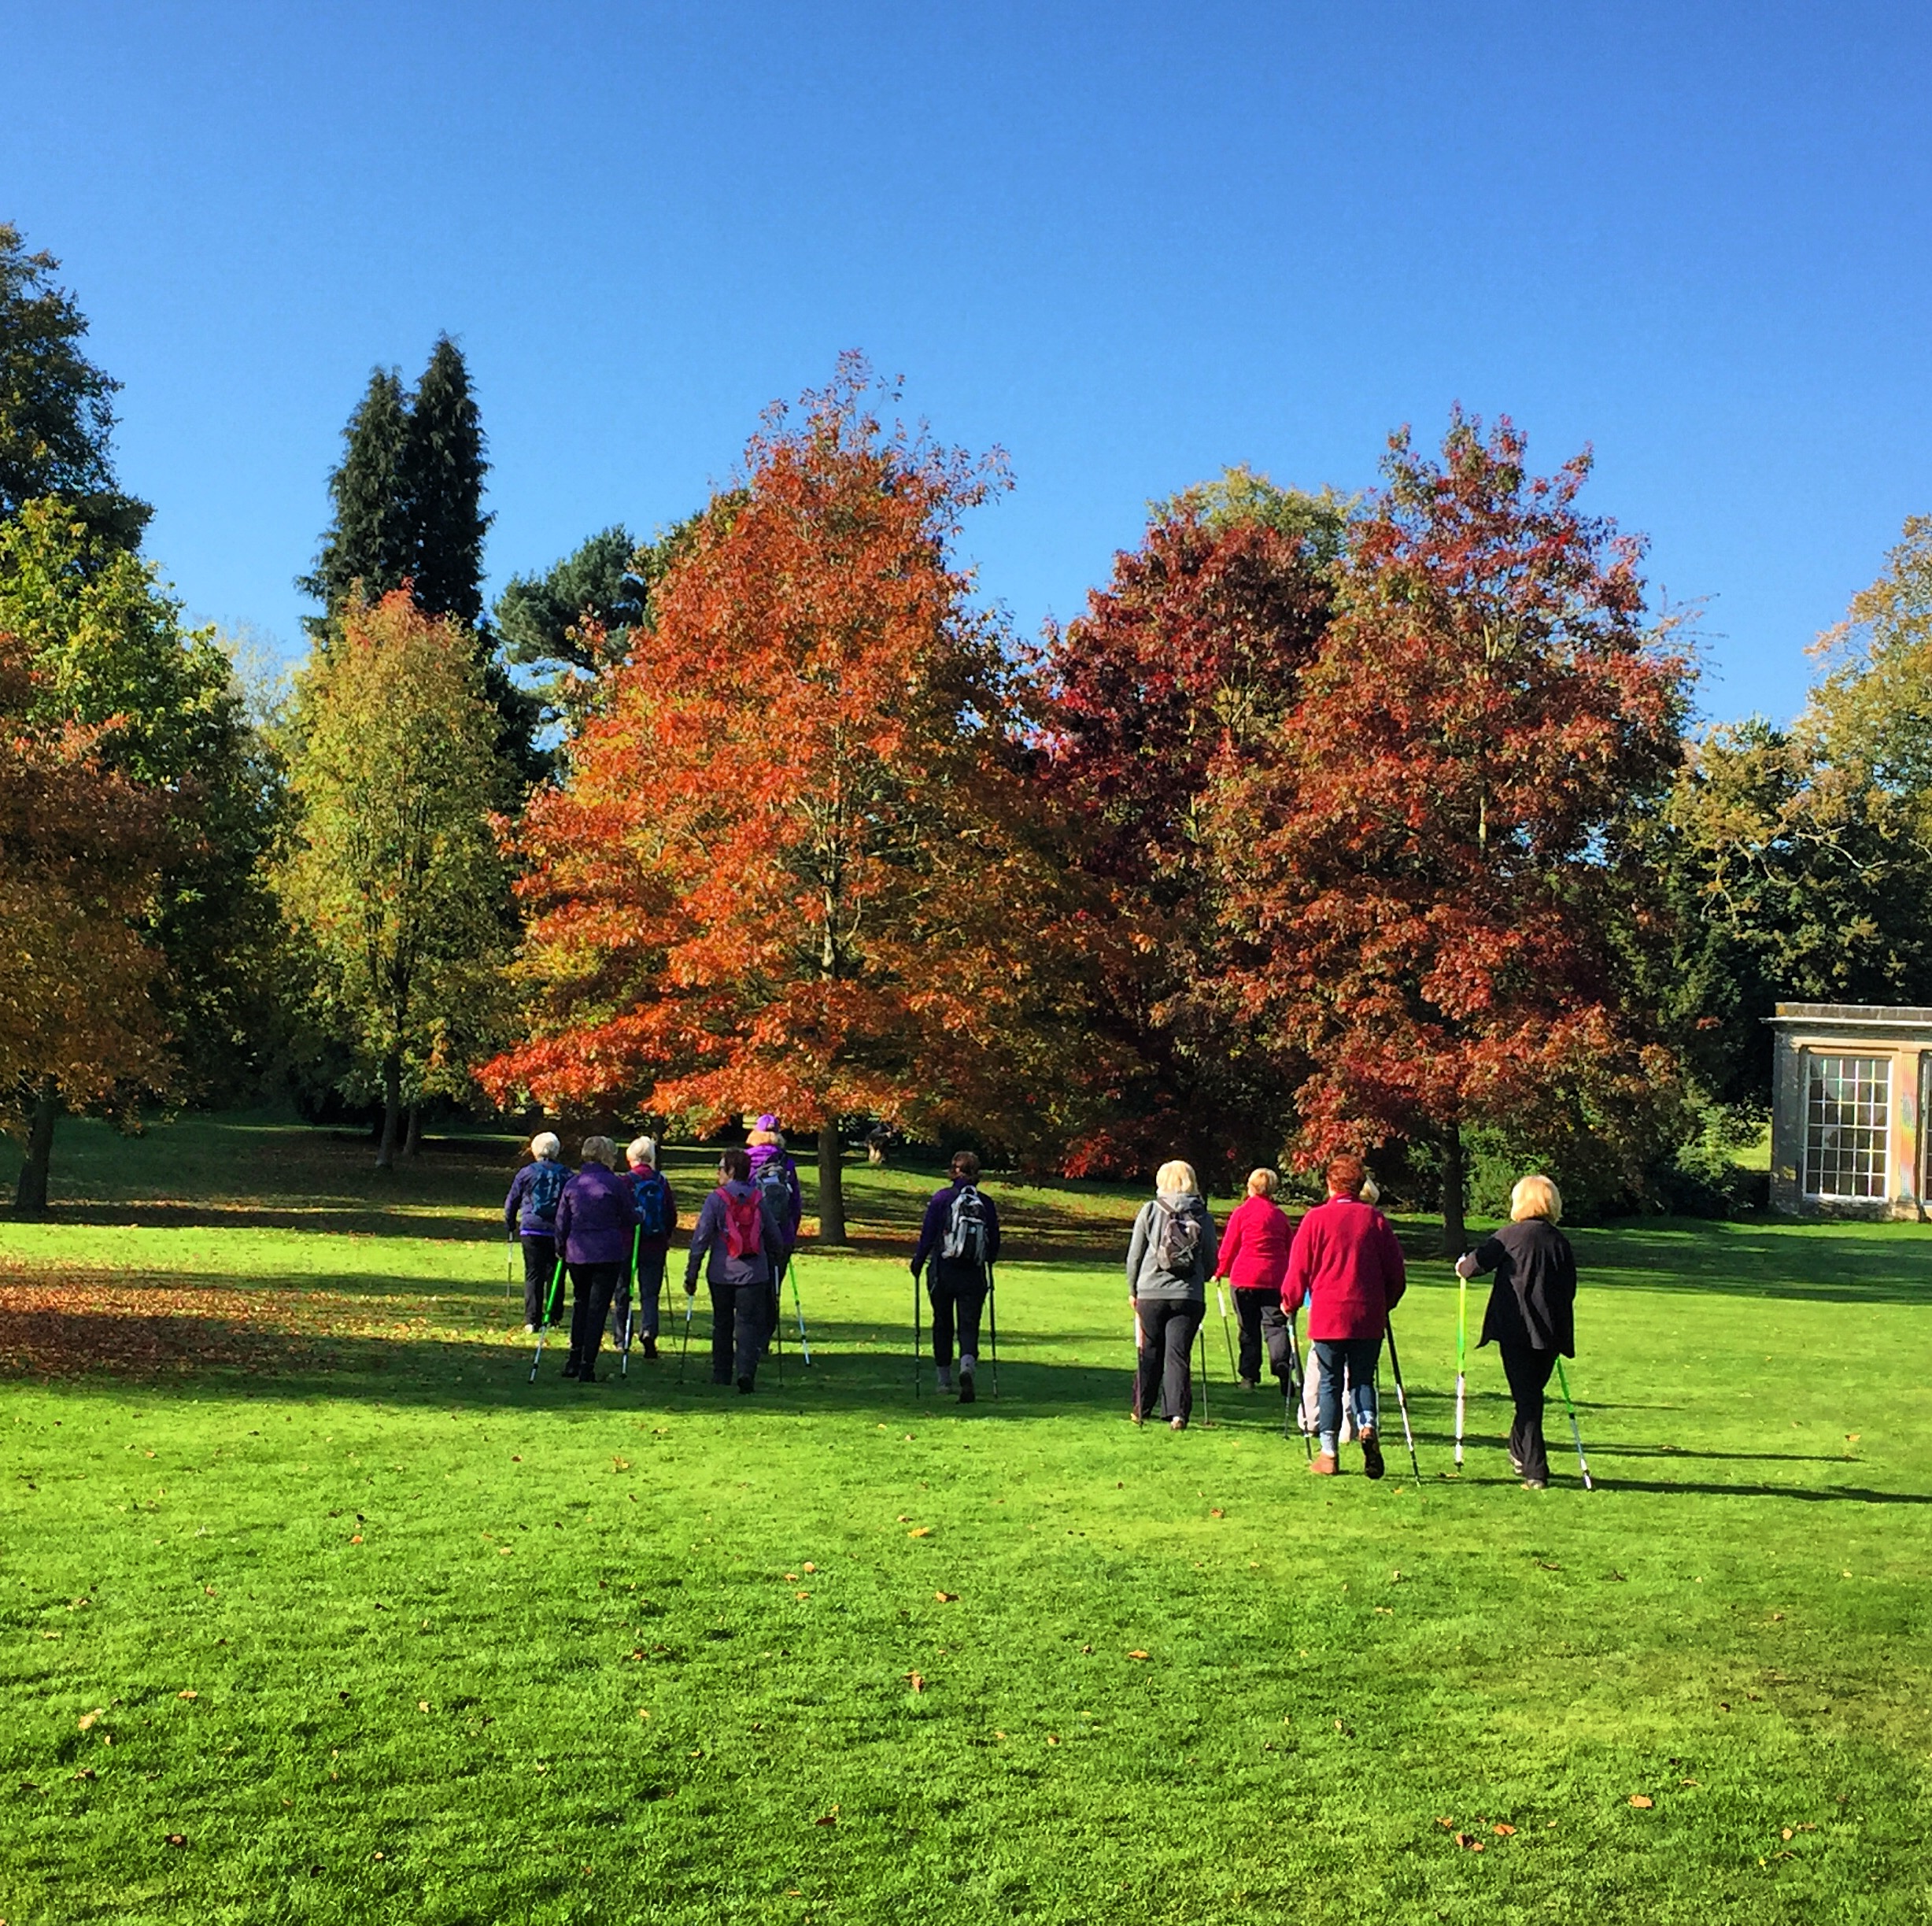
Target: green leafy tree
<point>108,655</point>
<point>57,415</point>
<point>393,884</point>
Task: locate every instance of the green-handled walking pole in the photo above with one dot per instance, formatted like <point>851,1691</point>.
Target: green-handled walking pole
<point>1298,1385</point>
<point>1221,1298</point>
<point>549,1313</point>
<point>804,1344</point>
<point>690,1304</point>
<point>1462,1345</point>
<point>1563,1379</point>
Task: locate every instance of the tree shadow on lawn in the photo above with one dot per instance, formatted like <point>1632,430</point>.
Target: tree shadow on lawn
<point>1800,1261</point>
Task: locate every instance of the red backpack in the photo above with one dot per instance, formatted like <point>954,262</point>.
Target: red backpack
<point>744,1229</point>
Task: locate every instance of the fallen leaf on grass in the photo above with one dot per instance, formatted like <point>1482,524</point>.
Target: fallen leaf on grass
<point>803,1595</point>
<point>1136,1653</point>
<point>1347,1731</point>
<point>1642,1801</point>
<point>620,1464</point>
<point>189,1693</point>
<point>791,1578</point>
<point>809,1567</point>
<point>1468,1842</point>
<point>89,1718</point>
<point>920,1531</point>
<point>915,1681</point>
<point>1503,1832</point>
<point>1448,1825</point>
<point>1053,1738</point>
<point>422,1705</point>
<point>176,1838</point>
<point>86,1771</point>
<point>946,1597</point>
<point>355,1538</point>
<point>828,1819</point>
<point>1215,1511</point>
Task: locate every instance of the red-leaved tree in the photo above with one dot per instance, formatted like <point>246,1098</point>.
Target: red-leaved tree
<point>796,864</point>
<point>1179,673</point>
<point>1432,866</point>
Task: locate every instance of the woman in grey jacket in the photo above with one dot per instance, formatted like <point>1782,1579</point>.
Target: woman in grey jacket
<point>1168,1258</point>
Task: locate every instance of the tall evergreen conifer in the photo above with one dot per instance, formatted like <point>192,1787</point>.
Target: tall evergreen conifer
<point>372,539</point>
<point>443,480</point>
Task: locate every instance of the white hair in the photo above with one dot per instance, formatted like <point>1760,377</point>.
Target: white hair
<point>547,1145</point>
<point>642,1150</point>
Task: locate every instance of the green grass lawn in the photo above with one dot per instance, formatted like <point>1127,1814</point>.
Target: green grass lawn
<point>298,1568</point>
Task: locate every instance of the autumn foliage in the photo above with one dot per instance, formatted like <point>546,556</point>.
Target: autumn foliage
<point>1431,867</point>
<point>797,864</point>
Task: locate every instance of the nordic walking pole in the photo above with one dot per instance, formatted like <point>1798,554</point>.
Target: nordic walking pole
<point>630,1308</point>
<point>1401,1398</point>
<point>690,1304</point>
<point>791,1270</point>
<point>1221,1298</point>
<point>549,1312</point>
<point>777,1328</point>
<point>1462,1342</point>
<point>915,1331</point>
<point>1563,1378</point>
<point>509,1269</point>
<point>1204,1330</point>
<point>1299,1380</point>
<point>992,1315</point>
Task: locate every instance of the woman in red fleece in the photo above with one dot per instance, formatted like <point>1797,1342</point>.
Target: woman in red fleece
<point>1255,1260</point>
<point>1346,1261</point>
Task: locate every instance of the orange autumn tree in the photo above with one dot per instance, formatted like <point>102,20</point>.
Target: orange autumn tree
<point>795,864</point>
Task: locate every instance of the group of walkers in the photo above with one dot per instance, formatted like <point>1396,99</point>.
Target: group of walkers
<point>1342,1261</point>
<point>611,1233</point>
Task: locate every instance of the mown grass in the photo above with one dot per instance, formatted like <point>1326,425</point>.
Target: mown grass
<point>373,1625</point>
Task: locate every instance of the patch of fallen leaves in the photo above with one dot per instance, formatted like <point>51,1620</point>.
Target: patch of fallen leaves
<point>69,1321</point>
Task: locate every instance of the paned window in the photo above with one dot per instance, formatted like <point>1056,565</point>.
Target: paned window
<point>1848,1106</point>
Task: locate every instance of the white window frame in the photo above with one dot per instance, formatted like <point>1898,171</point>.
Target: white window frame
<point>1870,1081</point>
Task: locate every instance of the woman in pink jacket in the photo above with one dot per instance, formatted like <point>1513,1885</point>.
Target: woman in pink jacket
<point>1255,1260</point>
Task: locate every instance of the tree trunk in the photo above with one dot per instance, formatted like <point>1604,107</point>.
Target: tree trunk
<point>392,1112</point>
<point>412,1140</point>
<point>831,1185</point>
<point>1454,1241</point>
<point>30,1199</point>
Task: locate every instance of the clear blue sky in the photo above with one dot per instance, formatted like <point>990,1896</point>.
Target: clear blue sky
<point>1131,243</point>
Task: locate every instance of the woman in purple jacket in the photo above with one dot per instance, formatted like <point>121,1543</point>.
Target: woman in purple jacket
<point>595,1216</point>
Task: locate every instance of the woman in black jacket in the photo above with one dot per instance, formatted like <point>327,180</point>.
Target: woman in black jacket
<point>1530,1313</point>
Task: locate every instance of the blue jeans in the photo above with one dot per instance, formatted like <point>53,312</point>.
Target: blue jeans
<point>650,1286</point>
<point>1359,1356</point>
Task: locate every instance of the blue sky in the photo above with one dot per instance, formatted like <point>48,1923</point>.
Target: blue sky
<point>1129,243</point>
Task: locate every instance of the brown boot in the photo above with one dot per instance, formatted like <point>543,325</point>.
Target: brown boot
<point>1371,1454</point>
<point>1323,1464</point>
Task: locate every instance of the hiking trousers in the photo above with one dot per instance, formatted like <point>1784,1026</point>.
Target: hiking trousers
<point>540,1266</point>
<point>648,1290</point>
<point>957,1293</point>
<point>741,1326</point>
<point>592,1287</point>
<point>1167,1329</point>
<point>1264,1326</point>
<point>1528,1373</point>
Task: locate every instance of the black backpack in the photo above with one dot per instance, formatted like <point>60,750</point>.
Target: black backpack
<point>775,1187</point>
<point>1177,1244</point>
<point>546,1186</point>
<point>965,1229</point>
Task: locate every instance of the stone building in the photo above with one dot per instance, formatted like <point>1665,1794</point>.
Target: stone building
<point>1850,1083</point>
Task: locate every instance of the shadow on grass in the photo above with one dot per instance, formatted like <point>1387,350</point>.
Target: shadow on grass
<point>1797,1261</point>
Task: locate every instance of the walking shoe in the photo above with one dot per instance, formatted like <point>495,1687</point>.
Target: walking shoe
<point>571,1367</point>
<point>650,1347</point>
<point>744,1384</point>
<point>1323,1464</point>
<point>1370,1453</point>
<point>1249,1384</point>
<point>1515,1464</point>
<point>944,1374</point>
<point>1176,1424</point>
<point>530,1330</point>
<point>1536,1484</point>
<point>967,1394</point>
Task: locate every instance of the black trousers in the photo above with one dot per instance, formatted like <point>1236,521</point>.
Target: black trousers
<point>540,1266</point>
<point>742,1323</point>
<point>1167,1329</point>
<point>1264,1326</point>
<point>957,1293</point>
<point>593,1286</point>
<point>1528,1373</point>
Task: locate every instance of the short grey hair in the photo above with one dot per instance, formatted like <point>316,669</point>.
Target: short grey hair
<point>546,1145</point>
<point>599,1150</point>
<point>642,1150</point>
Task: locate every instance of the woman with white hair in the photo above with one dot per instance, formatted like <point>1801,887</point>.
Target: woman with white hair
<point>1532,1313</point>
<point>1168,1258</point>
<point>530,1216</point>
